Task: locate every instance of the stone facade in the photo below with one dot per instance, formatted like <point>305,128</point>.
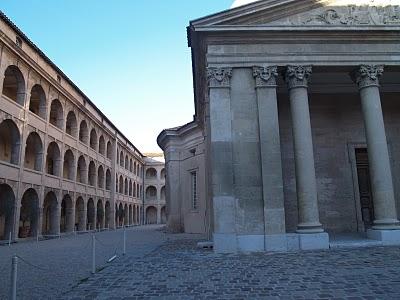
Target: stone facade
<point>296,102</point>
<point>64,166</point>
<point>154,195</point>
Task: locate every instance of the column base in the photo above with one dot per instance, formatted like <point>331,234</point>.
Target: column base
<point>314,241</point>
<point>387,237</point>
<point>386,224</point>
<point>309,228</point>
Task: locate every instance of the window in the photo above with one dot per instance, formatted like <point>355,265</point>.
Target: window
<point>193,177</point>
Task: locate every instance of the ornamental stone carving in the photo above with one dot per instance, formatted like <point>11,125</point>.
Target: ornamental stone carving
<point>367,75</point>
<point>297,76</point>
<point>219,77</point>
<point>265,76</point>
<point>351,15</point>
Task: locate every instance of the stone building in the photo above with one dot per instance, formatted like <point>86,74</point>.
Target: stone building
<point>296,131</point>
<point>63,165</point>
<point>154,187</point>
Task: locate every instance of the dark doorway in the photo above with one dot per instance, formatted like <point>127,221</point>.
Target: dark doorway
<point>364,186</point>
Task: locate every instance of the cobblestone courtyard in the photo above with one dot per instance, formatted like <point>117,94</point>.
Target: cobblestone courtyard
<point>169,266</point>
<point>177,270</point>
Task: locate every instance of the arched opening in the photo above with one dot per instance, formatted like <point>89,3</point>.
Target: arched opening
<point>81,170</point>
<point>151,215</point>
<point>29,214</point>
<point>131,165</point>
<point>126,215</point>
<point>69,165</point>
<point>151,193</point>
<point>134,215</point>
<point>71,126</point>
<point>80,214</point>
<point>134,190</point>
<point>120,215</point>
<point>108,180</point>
<point>130,187</point>
<point>121,185</point>
<point>67,215</point>
<point>100,215</point>
<point>121,159</point>
<point>134,168</point>
<point>14,85</point>
<point>130,215</point>
<point>102,146</point>
<point>116,215</point>
<point>138,170</point>
<point>91,215</point>
<point>9,142</point>
<point>109,150</point>
<point>56,114</point>
<point>162,174</point>
<point>163,215</point>
<point>33,152</point>
<point>126,162</point>
<point>126,186</point>
<point>137,190</point>
<point>83,132</point>
<point>53,159</point>
<point>50,216</point>
<point>116,185</point>
<point>37,103</point>
<point>162,193</point>
<point>7,211</point>
<point>151,173</point>
<point>107,215</point>
<point>92,173</point>
<point>100,177</point>
<point>93,139</point>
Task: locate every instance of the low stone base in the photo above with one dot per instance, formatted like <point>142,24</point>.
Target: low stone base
<point>387,237</point>
<point>250,243</point>
<point>225,243</point>
<point>276,243</point>
<point>314,241</point>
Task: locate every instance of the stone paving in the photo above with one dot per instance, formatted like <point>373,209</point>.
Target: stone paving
<point>53,267</point>
<point>177,270</point>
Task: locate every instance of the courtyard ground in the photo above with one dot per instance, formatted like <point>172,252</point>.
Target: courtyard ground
<point>169,266</point>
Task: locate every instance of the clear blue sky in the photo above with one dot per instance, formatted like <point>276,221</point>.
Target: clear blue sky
<point>130,57</point>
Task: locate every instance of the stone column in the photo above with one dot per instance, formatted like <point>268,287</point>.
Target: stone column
<point>274,211</point>
<point>306,186</point>
<point>224,203</point>
<point>367,79</point>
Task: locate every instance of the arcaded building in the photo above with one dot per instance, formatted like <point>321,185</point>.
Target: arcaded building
<point>64,166</point>
<point>154,187</point>
<point>296,133</point>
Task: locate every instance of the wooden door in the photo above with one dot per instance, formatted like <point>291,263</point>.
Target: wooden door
<point>364,185</point>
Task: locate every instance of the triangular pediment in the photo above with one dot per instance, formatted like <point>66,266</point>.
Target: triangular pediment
<point>308,13</point>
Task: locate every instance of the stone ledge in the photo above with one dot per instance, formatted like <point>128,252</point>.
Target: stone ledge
<point>387,237</point>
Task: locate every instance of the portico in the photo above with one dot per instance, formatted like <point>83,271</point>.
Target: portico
<point>299,105</point>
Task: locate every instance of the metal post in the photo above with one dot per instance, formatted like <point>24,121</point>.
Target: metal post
<point>93,254</point>
<point>9,239</point>
<point>13,289</point>
<point>124,252</point>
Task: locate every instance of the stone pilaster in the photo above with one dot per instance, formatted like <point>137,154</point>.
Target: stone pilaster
<point>297,79</point>
<point>270,149</point>
<point>224,203</point>
<point>367,79</point>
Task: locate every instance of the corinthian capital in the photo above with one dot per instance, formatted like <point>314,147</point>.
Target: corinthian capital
<point>219,77</point>
<point>367,75</point>
<point>265,76</point>
<point>297,76</point>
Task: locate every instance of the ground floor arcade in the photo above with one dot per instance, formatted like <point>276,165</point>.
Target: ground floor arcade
<point>58,213</point>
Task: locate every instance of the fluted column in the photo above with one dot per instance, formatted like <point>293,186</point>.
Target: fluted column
<point>367,79</point>
<point>306,186</point>
<point>270,149</point>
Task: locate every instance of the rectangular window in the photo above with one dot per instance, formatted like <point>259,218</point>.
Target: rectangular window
<point>193,176</point>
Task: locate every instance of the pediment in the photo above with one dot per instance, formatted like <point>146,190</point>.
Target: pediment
<point>308,13</point>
